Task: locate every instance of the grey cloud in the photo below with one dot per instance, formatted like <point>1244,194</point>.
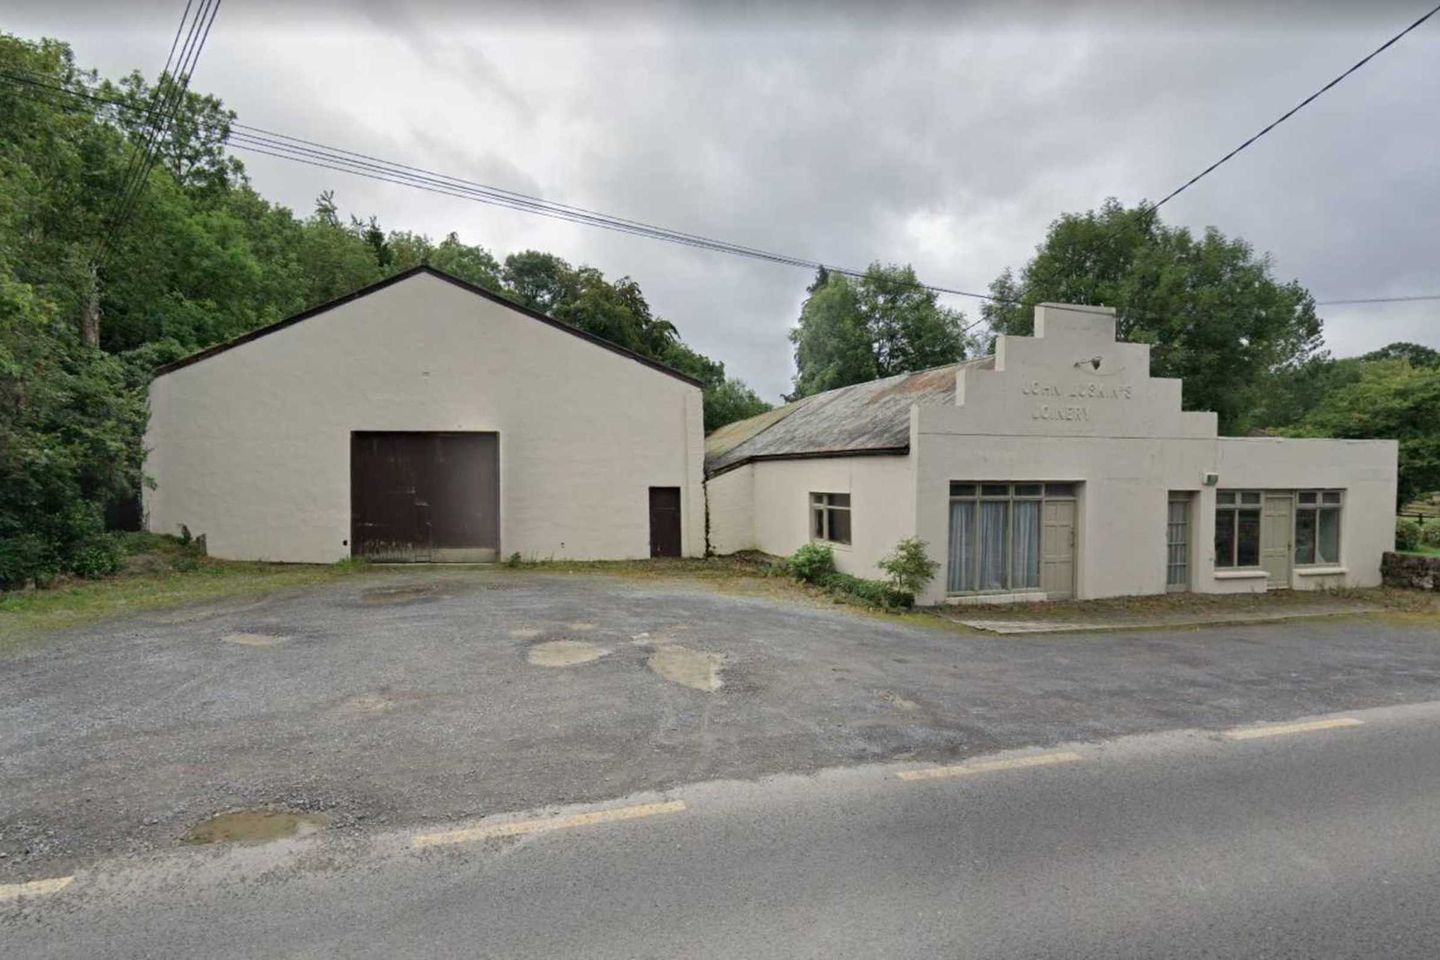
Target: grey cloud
<point>936,134</point>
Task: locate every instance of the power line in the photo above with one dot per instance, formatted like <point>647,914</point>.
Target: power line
<point>170,101</point>
<point>313,153</point>
<point>1295,109</point>
<point>1417,297</point>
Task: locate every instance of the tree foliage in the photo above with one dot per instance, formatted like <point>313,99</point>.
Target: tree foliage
<point>878,325</point>
<point>1211,309</point>
<point>1387,398</point>
<point>203,258</point>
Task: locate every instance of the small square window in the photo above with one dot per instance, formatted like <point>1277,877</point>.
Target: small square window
<point>1248,497</point>
<point>1027,489</point>
<point>1308,496</point>
<point>1225,496</point>
<point>962,489</point>
<point>1332,496</point>
<point>1059,489</point>
<point>995,490</point>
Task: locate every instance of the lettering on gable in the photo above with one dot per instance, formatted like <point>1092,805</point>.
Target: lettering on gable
<point>1084,390</point>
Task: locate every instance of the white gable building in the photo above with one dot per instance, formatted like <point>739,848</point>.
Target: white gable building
<point>423,418</point>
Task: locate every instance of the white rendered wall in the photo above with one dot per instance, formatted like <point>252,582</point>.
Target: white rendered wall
<point>882,506</point>
<point>251,447</point>
<point>1071,404</point>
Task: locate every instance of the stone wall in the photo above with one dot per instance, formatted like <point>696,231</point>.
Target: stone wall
<point>1410,570</point>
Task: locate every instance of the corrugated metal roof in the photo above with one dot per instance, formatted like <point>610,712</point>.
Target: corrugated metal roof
<point>864,418</point>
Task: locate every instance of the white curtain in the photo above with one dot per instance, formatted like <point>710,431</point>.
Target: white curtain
<point>1026,545</point>
<point>961,577</point>
<point>993,514</point>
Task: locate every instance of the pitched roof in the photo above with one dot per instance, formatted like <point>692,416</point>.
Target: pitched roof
<point>439,275</point>
<point>866,418</point>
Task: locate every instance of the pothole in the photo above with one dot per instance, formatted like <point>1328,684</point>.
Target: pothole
<point>564,653</point>
<point>254,639</point>
<point>389,595</point>
<point>689,668</point>
<point>897,701</point>
<point>370,703</point>
<point>254,826</point>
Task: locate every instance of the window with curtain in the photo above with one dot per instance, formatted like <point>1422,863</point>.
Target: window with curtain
<point>1317,527</point>
<point>830,517</point>
<point>995,531</point>
<point>1237,528</point>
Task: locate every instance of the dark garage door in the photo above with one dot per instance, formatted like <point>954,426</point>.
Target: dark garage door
<point>425,496</point>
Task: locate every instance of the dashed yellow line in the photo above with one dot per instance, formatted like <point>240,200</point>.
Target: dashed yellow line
<point>1283,729</point>
<point>987,766</point>
<point>517,828</point>
<point>35,888</point>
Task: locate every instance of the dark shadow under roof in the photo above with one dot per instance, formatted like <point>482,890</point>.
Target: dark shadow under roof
<point>864,419</point>
<point>440,275</point>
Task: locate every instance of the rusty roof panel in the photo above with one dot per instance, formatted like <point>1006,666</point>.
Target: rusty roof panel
<point>863,418</point>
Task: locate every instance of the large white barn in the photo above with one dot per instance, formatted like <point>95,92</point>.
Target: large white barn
<point>423,418</point>
<point>1058,467</point>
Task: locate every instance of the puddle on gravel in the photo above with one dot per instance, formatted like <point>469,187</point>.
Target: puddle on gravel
<point>689,668</point>
<point>564,653</point>
<point>370,703</point>
<point>389,595</point>
<point>254,639</point>
<point>254,826</point>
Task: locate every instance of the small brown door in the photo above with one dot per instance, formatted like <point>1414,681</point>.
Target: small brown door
<point>425,496</point>
<point>664,521</point>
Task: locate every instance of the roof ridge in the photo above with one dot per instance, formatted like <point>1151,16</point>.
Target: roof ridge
<point>207,352</point>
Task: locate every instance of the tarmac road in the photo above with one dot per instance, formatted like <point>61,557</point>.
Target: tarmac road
<point>1320,839</point>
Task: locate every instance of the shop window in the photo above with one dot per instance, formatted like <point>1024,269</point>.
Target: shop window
<point>830,517</point>
<point>995,533</point>
<point>1317,527</point>
<point>1237,528</point>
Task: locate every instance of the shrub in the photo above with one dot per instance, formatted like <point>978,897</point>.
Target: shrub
<point>1407,534</point>
<point>97,557</point>
<point>909,566</point>
<point>877,593</point>
<point>812,562</point>
<point>27,557</point>
<point>1430,534</point>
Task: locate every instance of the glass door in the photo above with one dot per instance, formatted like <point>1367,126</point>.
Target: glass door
<point>1177,544</point>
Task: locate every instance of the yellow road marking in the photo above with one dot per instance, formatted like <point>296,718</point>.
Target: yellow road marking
<point>986,766</point>
<point>1281,729</point>
<point>35,888</point>
<point>520,827</point>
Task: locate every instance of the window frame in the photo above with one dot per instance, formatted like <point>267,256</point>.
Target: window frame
<point>1323,500</point>
<point>979,491</point>
<point>822,507</point>
<point>1232,503</point>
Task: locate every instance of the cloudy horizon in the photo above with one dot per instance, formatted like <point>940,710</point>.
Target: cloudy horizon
<point>943,140</point>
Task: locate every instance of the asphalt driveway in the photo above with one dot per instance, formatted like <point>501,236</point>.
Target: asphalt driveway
<point>437,695</point>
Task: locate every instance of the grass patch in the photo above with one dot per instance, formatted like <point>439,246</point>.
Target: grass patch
<point>159,572</point>
<point>1422,551</point>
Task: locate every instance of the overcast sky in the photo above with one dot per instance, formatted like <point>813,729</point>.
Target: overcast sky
<point>842,133</point>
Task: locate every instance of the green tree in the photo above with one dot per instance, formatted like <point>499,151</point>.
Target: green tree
<point>1210,308</point>
<point>1415,354</point>
<point>879,325</point>
<point>1388,399</point>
